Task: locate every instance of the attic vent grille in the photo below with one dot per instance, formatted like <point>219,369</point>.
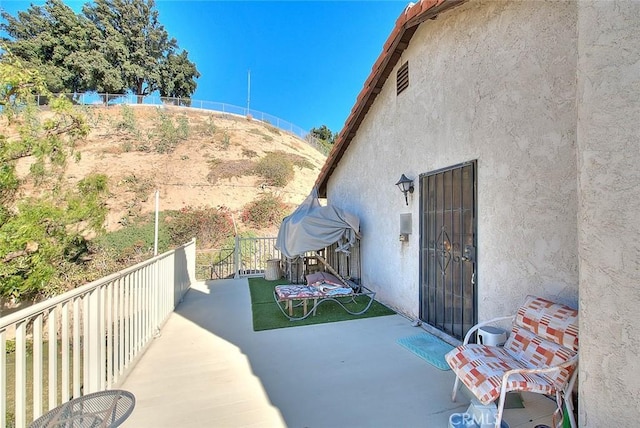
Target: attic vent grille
<point>402,80</point>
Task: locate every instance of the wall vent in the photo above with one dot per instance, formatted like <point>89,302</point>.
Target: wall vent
<point>402,78</point>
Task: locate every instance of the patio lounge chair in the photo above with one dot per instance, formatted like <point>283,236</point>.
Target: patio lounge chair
<point>540,355</point>
<point>321,287</point>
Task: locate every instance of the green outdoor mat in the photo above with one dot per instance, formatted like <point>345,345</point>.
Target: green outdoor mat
<point>267,315</point>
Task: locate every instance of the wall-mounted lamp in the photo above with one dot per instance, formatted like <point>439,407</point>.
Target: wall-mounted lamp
<point>406,186</point>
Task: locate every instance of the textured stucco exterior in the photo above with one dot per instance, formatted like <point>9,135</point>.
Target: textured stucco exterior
<point>493,82</point>
<point>545,96</point>
<point>608,100</point>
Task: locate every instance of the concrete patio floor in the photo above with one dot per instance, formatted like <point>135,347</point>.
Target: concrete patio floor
<point>210,369</point>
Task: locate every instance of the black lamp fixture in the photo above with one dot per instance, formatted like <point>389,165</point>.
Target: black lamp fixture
<point>406,186</point>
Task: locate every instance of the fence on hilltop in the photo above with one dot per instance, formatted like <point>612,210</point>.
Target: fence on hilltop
<point>106,99</point>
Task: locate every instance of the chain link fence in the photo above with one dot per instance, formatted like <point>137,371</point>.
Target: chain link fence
<point>99,99</point>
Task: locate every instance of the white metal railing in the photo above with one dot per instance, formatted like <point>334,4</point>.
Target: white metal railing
<point>251,255</point>
<point>215,263</point>
<point>248,258</point>
<point>92,98</point>
<point>86,339</point>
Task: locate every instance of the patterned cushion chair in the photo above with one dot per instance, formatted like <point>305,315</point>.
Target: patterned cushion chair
<point>540,355</point>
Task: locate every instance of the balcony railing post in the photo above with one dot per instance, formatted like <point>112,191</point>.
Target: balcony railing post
<point>155,298</point>
<point>92,342</point>
<point>3,378</point>
<point>21,374</point>
<point>236,257</point>
<point>53,354</point>
<point>37,368</point>
<point>191,264</point>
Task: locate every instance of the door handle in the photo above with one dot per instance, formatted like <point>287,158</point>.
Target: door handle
<point>469,253</point>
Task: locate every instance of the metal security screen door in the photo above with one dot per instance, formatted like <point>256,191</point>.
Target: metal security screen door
<point>448,249</point>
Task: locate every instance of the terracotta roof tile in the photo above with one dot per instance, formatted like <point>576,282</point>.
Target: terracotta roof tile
<point>401,20</point>
<point>392,39</point>
<point>406,24</point>
<point>377,64</point>
<point>413,11</point>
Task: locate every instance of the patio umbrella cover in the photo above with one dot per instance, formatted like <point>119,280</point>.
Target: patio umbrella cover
<point>313,227</point>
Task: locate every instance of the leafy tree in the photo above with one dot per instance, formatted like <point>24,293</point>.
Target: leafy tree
<point>136,44</point>
<point>115,46</point>
<point>56,42</point>
<point>176,76</point>
<point>324,133</point>
<point>41,236</point>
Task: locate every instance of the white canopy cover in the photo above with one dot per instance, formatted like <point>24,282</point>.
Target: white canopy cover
<point>313,227</point>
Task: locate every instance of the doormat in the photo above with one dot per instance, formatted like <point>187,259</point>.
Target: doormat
<point>429,348</point>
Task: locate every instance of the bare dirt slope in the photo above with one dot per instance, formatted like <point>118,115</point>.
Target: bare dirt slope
<point>206,165</point>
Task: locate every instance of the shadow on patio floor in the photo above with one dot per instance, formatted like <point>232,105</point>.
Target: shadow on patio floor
<point>210,369</point>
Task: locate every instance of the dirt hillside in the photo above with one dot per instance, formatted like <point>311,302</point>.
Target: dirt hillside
<point>193,157</point>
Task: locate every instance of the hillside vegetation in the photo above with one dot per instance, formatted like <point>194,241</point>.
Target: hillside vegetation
<point>77,183</point>
<point>194,158</point>
<point>216,174</point>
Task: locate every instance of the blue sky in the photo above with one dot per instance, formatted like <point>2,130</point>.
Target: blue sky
<point>308,59</point>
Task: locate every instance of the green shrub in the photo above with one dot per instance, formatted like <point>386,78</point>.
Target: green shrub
<point>268,210</point>
<point>248,153</point>
<point>134,243</point>
<point>42,243</point>
<point>210,226</point>
<point>229,169</point>
<point>9,182</point>
<point>183,127</point>
<point>128,122</point>
<point>135,239</point>
<point>295,159</point>
<point>276,169</point>
<point>89,201</point>
<point>94,183</point>
<point>300,161</point>
<point>248,250</point>
<point>256,131</point>
<point>141,187</point>
<point>169,135</point>
<point>272,128</point>
<point>211,126</point>
<point>325,147</point>
<point>226,140</point>
<point>206,126</point>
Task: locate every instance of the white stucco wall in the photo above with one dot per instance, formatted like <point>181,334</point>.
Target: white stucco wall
<point>491,81</point>
<point>609,220</point>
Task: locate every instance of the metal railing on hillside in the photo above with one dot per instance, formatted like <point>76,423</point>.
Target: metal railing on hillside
<point>132,99</point>
<point>86,339</point>
<point>215,263</point>
<point>253,257</point>
<point>248,258</point>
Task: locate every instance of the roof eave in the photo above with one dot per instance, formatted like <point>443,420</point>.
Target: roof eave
<point>406,25</point>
